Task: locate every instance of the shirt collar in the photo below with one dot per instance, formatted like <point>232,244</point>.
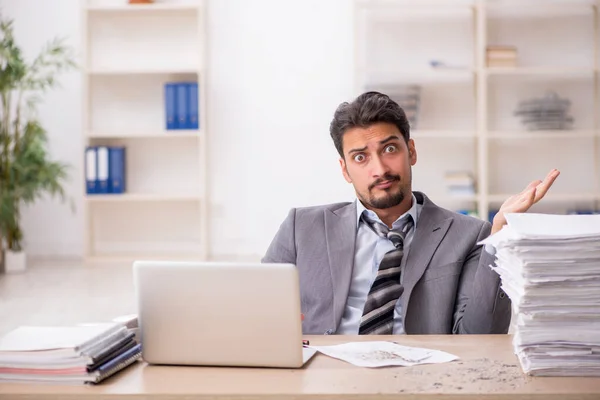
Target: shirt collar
<point>413,212</point>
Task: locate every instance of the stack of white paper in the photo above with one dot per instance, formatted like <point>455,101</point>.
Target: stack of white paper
<point>549,266</point>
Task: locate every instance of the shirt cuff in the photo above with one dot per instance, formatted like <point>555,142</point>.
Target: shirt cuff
<point>490,249</point>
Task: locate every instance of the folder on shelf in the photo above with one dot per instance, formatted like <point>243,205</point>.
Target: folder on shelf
<point>91,168</point>
<point>170,105</point>
<point>116,170</point>
<point>193,106</point>
<point>102,162</point>
<point>181,95</point>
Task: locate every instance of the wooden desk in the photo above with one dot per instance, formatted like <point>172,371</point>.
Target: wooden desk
<point>487,369</point>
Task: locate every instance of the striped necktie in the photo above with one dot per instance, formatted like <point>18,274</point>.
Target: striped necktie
<point>378,313</point>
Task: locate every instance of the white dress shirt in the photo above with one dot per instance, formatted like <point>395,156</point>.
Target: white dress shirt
<point>369,251</point>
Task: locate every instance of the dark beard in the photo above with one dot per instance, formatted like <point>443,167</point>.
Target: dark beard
<point>390,199</point>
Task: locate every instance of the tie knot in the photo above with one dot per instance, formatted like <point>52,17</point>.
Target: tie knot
<point>397,235</point>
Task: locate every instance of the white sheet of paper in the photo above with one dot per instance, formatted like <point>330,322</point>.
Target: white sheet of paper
<point>382,354</point>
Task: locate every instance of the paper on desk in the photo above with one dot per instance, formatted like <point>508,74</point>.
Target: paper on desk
<point>382,354</point>
<point>549,266</point>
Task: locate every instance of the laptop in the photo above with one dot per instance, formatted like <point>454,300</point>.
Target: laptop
<point>220,314</point>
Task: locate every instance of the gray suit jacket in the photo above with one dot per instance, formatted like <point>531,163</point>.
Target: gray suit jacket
<point>448,284</point>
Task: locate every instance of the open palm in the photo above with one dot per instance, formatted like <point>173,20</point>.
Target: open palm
<point>521,202</point>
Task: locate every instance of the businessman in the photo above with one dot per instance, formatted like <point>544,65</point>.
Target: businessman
<point>392,261</point>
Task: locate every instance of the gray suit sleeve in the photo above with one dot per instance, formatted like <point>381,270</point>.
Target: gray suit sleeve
<point>283,247</point>
<point>482,307</point>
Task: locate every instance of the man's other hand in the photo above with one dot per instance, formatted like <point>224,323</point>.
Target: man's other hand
<point>521,202</point>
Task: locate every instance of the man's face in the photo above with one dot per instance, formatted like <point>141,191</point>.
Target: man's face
<point>377,161</point>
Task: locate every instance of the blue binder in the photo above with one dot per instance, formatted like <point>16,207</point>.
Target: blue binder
<point>102,176</point>
<point>171,106</point>
<point>181,90</point>
<point>116,169</point>
<point>193,106</point>
<point>91,169</point>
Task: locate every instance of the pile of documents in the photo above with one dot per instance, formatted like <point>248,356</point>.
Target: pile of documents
<point>548,112</point>
<point>71,354</point>
<point>549,266</point>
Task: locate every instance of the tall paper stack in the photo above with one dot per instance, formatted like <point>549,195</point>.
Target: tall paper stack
<point>501,56</point>
<point>549,266</point>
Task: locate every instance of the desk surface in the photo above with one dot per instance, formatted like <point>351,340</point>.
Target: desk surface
<point>487,369</point>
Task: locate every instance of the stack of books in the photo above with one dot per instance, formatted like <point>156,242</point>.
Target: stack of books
<point>501,56</point>
<point>459,183</point>
<point>81,354</point>
<point>549,266</point>
<point>548,112</point>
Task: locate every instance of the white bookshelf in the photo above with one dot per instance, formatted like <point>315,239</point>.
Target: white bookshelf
<point>466,120</point>
<point>130,52</point>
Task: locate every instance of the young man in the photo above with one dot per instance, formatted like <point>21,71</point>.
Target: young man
<point>392,261</point>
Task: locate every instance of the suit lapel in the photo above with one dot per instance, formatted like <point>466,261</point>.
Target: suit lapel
<point>340,234</point>
<point>431,229</point>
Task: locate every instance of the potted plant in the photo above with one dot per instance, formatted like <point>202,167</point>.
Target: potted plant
<point>26,171</point>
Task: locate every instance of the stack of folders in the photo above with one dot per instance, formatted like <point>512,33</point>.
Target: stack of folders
<point>105,168</point>
<point>549,266</point>
<point>82,354</point>
<point>182,105</point>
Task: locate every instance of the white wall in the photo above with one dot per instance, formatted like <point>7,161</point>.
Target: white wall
<point>277,71</point>
<point>50,227</point>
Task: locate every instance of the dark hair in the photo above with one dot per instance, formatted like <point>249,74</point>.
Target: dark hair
<point>367,109</point>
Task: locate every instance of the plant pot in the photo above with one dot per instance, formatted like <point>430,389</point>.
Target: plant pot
<point>14,261</point>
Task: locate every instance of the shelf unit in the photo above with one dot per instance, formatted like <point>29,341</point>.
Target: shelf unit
<point>130,52</point>
<point>466,120</point>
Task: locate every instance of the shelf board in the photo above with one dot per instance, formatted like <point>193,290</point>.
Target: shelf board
<point>539,8</point>
<point>143,7</point>
<point>542,135</point>
<point>567,72</point>
<point>550,197</point>
<point>448,198</point>
<point>142,71</point>
<point>129,259</point>
<point>415,3</point>
<point>170,134</point>
<point>386,79</point>
<point>441,134</point>
<point>134,197</point>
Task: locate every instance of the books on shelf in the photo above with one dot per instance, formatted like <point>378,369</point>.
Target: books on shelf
<point>79,354</point>
<point>105,170</point>
<point>499,56</point>
<point>182,106</point>
<point>549,266</point>
<point>460,183</point>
